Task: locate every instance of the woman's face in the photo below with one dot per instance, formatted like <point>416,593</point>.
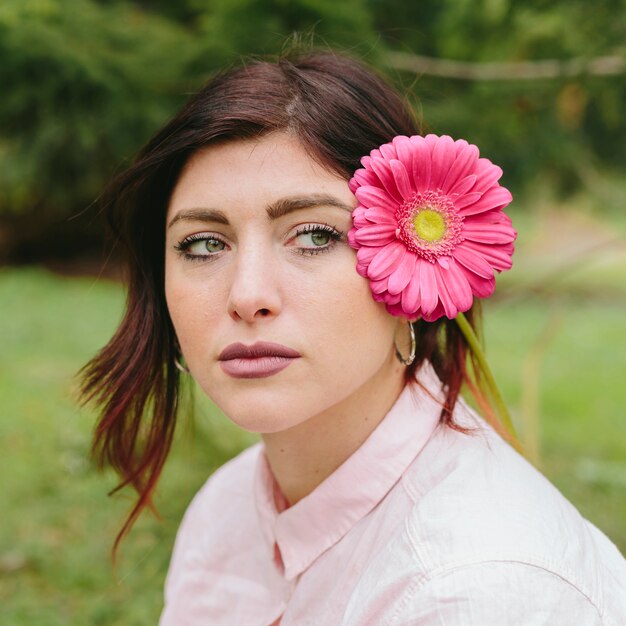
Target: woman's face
<point>256,253</point>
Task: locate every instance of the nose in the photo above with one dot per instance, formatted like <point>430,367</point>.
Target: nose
<point>254,290</point>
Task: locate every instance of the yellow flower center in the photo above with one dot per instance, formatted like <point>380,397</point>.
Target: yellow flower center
<point>429,225</point>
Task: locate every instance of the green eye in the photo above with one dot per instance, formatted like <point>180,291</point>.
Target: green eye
<point>205,246</point>
<point>315,238</point>
<point>213,245</point>
<point>320,238</point>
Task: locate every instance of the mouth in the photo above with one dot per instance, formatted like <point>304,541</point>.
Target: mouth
<point>258,360</point>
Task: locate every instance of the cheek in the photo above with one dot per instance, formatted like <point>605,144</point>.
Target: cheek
<point>189,302</point>
<point>360,329</point>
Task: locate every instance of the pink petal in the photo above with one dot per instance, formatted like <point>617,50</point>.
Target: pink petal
<point>358,217</point>
<point>382,170</point>
<point>379,287</point>
<point>442,158</point>
<point>445,297</point>
<point>404,149</point>
<point>421,163</point>
<point>370,196</point>
<point>365,254</point>
<point>397,310</point>
<point>487,234</point>
<point>493,227</point>
<point>461,167</point>
<point>391,300</point>
<point>401,178</point>
<point>488,174</point>
<point>463,186</point>
<point>411,294</point>
<point>388,151</point>
<point>492,220</point>
<point>386,261</point>
<point>351,238</point>
<point>375,235</point>
<point>481,287</point>
<point>460,145</point>
<point>428,286</point>
<point>365,177</point>
<point>444,261</point>
<point>499,257</point>
<point>435,314</point>
<point>465,200</point>
<point>472,261</point>
<point>361,270</point>
<point>431,141</point>
<point>457,286</point>
<point>494,198</point>
<point>376,215</point>
<point>402,274</point>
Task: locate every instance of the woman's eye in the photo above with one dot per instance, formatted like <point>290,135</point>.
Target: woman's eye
<point>313,239</point>
<point>200,247</point>
<point>204,246</point>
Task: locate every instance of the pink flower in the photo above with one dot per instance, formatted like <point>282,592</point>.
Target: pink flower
<point>429,229</point>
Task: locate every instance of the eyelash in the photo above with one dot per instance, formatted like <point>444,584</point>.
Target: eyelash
<point>183,246</point>
<point>335,235</point>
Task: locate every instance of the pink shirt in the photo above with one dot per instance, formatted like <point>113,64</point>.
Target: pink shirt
<point>422,525</point>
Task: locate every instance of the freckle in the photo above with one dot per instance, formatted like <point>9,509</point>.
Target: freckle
<point>282,449</point>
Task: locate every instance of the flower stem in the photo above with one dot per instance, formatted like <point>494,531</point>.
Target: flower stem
<point>479,353</point>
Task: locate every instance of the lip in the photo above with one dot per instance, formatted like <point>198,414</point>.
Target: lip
<point>259,360</point>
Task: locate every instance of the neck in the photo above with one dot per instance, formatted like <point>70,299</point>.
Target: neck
<point>303,456</point>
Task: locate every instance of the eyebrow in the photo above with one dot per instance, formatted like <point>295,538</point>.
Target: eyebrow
<point>275,210</point>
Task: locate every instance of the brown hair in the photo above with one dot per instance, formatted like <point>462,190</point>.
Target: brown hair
<point>340,110</point>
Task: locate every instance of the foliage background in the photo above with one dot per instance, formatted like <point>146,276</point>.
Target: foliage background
<point>86,83</point>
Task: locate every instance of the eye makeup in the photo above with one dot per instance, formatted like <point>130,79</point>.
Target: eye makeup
<point>200,247</point>
<point>320,237</point>
<point>308,239</point>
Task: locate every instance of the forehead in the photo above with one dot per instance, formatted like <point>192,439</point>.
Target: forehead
<point>262,169</point>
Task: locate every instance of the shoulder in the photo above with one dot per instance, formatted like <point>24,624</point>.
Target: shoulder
<point>496,592</point>
<point>486,539</point>
<point>216,517</point>
<point>486,498</point>
<point>233,480</point>
<point>481,510</point>
<point>221,497</point>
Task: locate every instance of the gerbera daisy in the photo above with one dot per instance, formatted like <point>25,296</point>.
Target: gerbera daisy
<point>429,229</point>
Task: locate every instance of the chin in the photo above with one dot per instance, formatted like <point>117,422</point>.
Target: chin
<point>258,411</point>
<point>261,421</point>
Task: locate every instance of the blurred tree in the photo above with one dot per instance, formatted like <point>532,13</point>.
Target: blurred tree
<point>84,85</point>
<point>236,27</point>
<point>561,128</point>
<point>86,82</point>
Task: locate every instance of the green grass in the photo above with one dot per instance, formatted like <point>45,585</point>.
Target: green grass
<point>58,523</point>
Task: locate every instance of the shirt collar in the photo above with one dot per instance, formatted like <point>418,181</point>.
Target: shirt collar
<point>318,521</point>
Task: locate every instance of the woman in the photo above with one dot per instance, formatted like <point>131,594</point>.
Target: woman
<point>376,496</point>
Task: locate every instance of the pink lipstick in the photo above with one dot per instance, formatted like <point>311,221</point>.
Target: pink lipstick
<point>259,360</point>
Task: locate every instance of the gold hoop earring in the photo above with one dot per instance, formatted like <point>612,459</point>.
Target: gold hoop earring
<point>409,360</point>
<point>179,366</point>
